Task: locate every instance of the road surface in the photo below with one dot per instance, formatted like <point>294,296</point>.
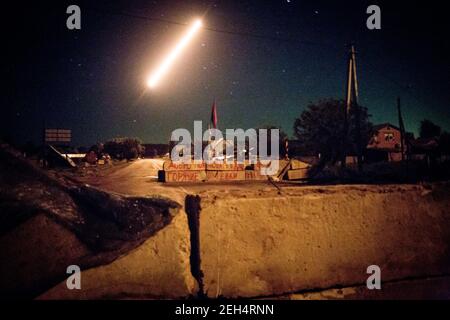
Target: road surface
<point>140,177</point>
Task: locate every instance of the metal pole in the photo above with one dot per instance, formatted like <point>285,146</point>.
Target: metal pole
<point>357,111</point>
<point>402,129</point>
<point>346,111</point>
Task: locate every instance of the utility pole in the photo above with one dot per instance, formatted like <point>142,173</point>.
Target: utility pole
<point>352,103</point>
<point>402,129</point>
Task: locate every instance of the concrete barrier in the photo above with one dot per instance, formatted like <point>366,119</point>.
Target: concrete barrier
<point>159,268</point>
<point>264,244</point>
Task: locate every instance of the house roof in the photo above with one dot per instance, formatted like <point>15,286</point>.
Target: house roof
<point>382,125</point>
<point>425,143</point>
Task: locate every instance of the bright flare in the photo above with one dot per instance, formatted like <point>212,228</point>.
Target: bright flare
<point>164,67</point>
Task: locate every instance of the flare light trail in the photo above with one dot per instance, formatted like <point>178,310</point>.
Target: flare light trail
<point>164,67</point>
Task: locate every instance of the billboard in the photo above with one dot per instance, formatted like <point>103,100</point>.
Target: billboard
<point>57,135</point>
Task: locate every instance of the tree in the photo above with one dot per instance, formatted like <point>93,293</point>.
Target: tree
<point>320,127</point>
<point>282,137</point>
<point>429,130</point>
<point>132,148</point>
<point>124,148</point>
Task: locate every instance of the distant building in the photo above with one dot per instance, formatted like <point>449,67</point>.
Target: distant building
<point>385,144</point>
<point>424,149</point>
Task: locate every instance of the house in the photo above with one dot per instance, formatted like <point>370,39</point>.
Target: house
<point>385,144</point>
<point>424,149</point>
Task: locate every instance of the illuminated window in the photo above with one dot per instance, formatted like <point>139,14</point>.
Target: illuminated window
<point>388,137</point>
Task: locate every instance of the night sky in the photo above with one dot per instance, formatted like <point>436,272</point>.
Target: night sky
<point>273,58</point>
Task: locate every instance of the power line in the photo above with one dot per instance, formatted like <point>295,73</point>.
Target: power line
<point>235,33</point>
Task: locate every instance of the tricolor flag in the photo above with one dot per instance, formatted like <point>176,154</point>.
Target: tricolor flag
<point>214,115</point>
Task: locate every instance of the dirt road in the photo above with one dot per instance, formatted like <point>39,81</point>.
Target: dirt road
<point>140,177</point>
<point>139,169</point>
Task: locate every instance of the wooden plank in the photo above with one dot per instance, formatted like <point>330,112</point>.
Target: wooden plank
<point>169,165</point>
<point>220,175</point>
<point>233,166</point>
<point>258,166</point>
<point>297,164</point>
<point>297,174</point>
<point>283,169</point>
<point>181,176</point>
